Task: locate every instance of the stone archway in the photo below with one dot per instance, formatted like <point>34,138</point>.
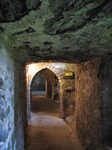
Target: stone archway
<point>32,70</point>
<point>47,80</point>
<point>67,85</point>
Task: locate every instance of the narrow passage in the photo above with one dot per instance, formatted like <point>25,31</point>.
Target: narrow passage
<point>46,130</point>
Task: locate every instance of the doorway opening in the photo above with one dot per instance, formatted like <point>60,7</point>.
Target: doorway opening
<point>45,91</point>
<point>38,86</point>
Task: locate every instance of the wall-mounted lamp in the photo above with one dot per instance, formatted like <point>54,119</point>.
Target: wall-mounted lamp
<point>69,75</point>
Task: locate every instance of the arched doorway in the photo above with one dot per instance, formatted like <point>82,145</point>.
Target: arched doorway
<point>34,69</point>
<point>61,90</point>
<point>44,83</point>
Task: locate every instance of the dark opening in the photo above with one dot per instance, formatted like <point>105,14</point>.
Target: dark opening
<point>38,86</point>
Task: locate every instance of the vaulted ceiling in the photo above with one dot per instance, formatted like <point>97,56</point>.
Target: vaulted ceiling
<point>58,29</point>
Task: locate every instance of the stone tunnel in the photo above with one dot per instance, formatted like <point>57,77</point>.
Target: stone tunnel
<point>63,50</point>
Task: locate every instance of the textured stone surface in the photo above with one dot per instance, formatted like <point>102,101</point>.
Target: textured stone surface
<point>19,107</point>
<point>56,30</point>
<point>6,97</point>
<point>13,10</point>
<point>12,97</point>
<point>69,96</point>
<point>88,103</point>
<point>48,75</point>
<point>107,102</point>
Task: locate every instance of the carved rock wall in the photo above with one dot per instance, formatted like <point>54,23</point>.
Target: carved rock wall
<point>88,104</point>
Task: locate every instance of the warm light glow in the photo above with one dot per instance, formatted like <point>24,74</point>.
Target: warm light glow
<point>68,74</point>
<point>59,65</point>
<point>32,69</point>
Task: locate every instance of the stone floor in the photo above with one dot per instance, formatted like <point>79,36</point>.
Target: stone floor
<point>46,130</point>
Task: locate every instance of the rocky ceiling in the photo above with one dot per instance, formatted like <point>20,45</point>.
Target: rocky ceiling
<point>58,29</point>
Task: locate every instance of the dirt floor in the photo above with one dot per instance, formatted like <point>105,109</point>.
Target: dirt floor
<point>46,131</point>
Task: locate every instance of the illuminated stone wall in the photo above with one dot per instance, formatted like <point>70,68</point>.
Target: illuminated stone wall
<point>56,88</point>
<point>48,76</point>
<point>68,96</point>
<point>88,105</point>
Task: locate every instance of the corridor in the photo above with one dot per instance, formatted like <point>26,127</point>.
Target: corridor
<point>65,46</point>
<point>46,131</point>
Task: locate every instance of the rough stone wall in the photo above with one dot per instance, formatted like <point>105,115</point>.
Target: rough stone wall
<point>7,131</point>
<point>56,87</point>
<point>12,97</point>
<point>51,81</point>
<point>19,109</point>
<point>59,25</point>
<point>13,10</point>
<point>88,86</point>
<point>24,124</point>
<point>68,96</point>
<point>49,76</point>
<point>107,102</point>
<point>68,87</point>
